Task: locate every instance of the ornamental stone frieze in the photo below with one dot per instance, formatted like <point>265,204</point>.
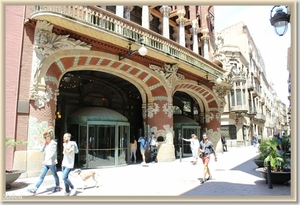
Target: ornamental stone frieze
<point>169,72</point>
<point>209,116</point>
<point>150,111</point>
<point>168,109</point>
<point>45,44</point>
<point>222,92</point>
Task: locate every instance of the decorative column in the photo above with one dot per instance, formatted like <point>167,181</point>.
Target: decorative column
<point>165,10</point>
<point>128,9</point>
<point>120,11</point>
<point>195,35</point>
<point>181,21</point>
<point>205,38</point>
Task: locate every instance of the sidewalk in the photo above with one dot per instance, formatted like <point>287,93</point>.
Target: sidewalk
<point>233,174</point>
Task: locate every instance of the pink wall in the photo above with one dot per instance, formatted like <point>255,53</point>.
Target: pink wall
<point>13,41</point>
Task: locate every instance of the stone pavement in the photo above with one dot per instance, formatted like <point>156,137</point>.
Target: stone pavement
<point>234,178</point>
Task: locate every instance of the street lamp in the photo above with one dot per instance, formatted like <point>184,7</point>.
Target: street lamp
<point>280,20</point>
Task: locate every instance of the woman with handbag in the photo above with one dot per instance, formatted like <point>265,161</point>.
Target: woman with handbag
<point>194,147</point>
<point>207,148</point>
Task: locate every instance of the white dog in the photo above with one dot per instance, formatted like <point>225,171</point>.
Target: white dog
<point>87,174</point>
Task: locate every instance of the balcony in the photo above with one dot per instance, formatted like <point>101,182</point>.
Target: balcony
<point>250,86</point>
<point>239,109</point>
<point>260,117</point>
<point>252,111</point>
<point>106,26</point>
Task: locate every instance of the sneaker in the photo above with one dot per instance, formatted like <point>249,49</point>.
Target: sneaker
<point>209,178</point>
<point>67,193</point>
<point>143,163</point>
<point>73,191</point>
<point>202,182</point>
<point>56,189</point>
<point>32,190</point>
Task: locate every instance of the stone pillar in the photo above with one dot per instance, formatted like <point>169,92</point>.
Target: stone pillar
<point>195,35</point>
<point>120,11</point>
<point>165,10</point>
<point>213,129</point>
<point>181,21</point>
<point>145,17</point>
<point>153,115</point>
<point>205,38</point>
<point>128,9</point>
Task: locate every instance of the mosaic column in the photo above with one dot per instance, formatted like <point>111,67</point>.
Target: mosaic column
<point>181,21</point>
<point>165,10</point>
<point>205,38</point>
<point>128,9</point>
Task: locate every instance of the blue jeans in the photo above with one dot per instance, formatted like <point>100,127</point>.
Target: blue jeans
<point>65,174</point>
<point>44,171</point>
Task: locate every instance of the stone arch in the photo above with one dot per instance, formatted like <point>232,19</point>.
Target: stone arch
<point>199,92</point>
<point>148,82</point>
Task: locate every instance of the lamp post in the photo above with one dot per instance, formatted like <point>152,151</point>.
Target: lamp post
<point>280,20</point>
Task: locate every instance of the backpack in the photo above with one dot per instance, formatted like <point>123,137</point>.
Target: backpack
<point>145,145</point>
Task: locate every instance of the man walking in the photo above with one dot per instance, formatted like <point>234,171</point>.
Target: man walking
<point>153,147</point>
<point>207,148</point>
<point>50,160</point>
<point>69,150</point>
<point>224,143</point>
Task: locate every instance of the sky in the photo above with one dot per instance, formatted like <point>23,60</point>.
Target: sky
<point>273,48</point>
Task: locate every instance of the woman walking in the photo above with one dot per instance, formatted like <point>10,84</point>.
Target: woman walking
<point>207,148</point>
<point>194,147</point>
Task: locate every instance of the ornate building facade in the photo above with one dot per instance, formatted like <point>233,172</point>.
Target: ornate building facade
<point>252,107</point>
<point>80,69</point>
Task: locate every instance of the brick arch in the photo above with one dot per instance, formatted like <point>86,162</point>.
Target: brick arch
<point>198,92</point>
<point>148,82</point>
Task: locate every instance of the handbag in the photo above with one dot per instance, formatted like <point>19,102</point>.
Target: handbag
<point>201,154</point>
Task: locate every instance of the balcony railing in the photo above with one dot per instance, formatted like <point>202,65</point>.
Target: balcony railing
<point>109,22</point>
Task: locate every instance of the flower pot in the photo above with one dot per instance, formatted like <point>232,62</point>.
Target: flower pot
<point>259,162</point>
<point>276,177</point>
<point>11,176</point>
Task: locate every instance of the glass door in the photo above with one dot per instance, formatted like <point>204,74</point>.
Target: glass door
<point>181,146</point>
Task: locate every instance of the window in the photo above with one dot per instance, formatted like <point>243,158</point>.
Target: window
<point>238,97</point>
<point>232,97</point>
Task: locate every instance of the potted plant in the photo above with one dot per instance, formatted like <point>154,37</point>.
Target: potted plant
<point>12,175</point>
<point>263,153</point>
<point>279,163</point>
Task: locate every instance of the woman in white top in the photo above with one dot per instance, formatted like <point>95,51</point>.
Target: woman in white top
<point>195,144</point>
<point>133,148</point>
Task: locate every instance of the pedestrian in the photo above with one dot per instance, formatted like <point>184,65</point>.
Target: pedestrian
<point>195,145</point>
<point>207,148</point>
<point>280,148</point>
<point>69,150</point>
<point>133,148</point>
<point>143,146</point>
<point>49,148</point>
<point>254,142</point>
<point>224,143</point>
<point>153,147</point>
